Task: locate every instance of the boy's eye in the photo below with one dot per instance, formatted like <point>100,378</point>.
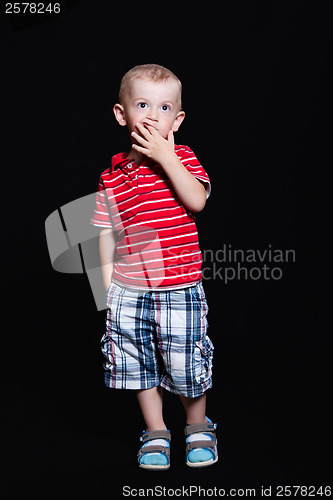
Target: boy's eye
<point>165,107</point>
<point>142,105</point>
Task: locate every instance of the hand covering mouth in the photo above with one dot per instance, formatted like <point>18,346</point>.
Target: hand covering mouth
<point>147,124</point>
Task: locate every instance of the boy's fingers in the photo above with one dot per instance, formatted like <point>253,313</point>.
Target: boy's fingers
<point>139,138</point>
<point>143,130</point>
<point>171,137</point>
<point>139,148</point>
<point>152,130</point>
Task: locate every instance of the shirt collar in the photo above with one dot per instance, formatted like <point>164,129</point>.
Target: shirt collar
<point>121,160</point>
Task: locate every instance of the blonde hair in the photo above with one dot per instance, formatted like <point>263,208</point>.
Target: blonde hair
<point>153,72</point>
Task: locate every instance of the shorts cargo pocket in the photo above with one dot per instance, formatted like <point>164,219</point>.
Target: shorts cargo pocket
<point>203,359</point>
<point>107,349</point>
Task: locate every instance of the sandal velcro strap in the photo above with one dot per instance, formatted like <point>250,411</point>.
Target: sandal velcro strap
<point>200,444</point>
<point>207,427</point>
<point>154,449</point>
<point>149,435</point>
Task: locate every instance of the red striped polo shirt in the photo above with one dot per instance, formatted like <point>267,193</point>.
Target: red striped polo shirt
<point>157,239</point>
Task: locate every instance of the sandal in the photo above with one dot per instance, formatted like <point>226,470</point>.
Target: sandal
<point>201,451</point>
<point>155,456</point>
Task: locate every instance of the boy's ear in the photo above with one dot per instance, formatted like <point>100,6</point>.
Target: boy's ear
<point>119,113</point>
<point>178,121</point>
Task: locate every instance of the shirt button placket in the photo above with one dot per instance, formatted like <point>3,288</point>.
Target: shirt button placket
<point>133,175</point>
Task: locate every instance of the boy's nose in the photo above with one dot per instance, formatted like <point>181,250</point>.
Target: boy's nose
<point>152,115</point>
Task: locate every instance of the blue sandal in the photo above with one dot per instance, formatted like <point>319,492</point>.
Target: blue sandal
<point>154,453</point>
<point>201,444</point>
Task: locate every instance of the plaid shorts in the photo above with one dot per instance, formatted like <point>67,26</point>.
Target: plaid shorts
<point>158,339</point>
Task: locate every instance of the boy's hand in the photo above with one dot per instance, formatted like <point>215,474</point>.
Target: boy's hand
<point>189,190</point>
<point>152,144</point>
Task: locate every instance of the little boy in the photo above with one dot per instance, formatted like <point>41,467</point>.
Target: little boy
<point>151,264</point>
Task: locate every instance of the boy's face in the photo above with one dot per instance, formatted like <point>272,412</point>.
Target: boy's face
<point>151,103</point>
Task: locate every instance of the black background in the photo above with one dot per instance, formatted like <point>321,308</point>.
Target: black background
<point>257,96</point>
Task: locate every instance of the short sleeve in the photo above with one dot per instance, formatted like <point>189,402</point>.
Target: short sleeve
<point>191,162</point>
<point>101,216</point>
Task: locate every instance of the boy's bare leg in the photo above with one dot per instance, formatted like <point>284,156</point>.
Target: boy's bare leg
<point>199,455</point>
<point>151,405</point>
<point>195,409</point>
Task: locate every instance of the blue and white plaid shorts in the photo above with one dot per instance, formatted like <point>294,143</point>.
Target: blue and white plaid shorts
<point>158,339</point>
